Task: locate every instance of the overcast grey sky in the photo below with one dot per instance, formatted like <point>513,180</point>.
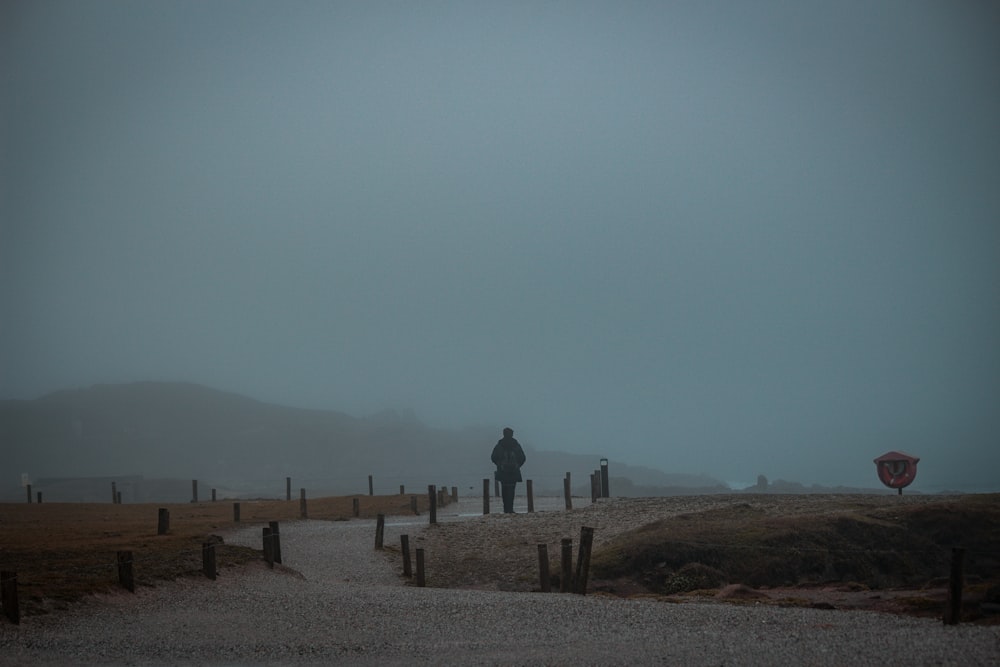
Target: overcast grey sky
<point>736,238</point>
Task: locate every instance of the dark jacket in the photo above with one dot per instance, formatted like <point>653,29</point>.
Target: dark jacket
<point>508,457</point>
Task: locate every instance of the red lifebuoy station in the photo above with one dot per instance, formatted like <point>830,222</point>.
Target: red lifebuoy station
<point>896,469</point>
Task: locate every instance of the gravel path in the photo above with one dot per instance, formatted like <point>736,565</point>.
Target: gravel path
<point>345,603</point>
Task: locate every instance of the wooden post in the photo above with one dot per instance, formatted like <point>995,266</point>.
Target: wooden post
<point>288,488</point>
<point>605,488</point>
<point>421,581</point>
<point>39,497</point>
<point>194,490</point>
<point>371,486</point>
<point>454,494</point>
<point>593,487</point>
<point>583,559</point>
<point>356,506</point>
<point>125,575</point>
<point>432,494</point>
<point>413,505</point>
<point>236,512</point>
<point>404,545</point>
<point>566,579</point>
<point>566,492</point>
<point>268,547</point>
<point>402,492</point>
<point>531,496</point>
<point>442,497</point>
<point>486,496</point>
<point>302,504</point>
<point>379,530</point>
<point>119,497</point>
<point>213,495</point>
<point>163,521</point>
<point>275,541</point>
<point>543,568</point>
<point>8,596</point>
<point>114,494</point>
<point>953,609</point>
<point>208,560</point>
<point>28,489</point>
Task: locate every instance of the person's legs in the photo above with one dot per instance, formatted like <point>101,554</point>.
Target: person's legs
<point>507,491</point>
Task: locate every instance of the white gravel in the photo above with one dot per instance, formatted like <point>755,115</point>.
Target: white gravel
<point>345,603</point>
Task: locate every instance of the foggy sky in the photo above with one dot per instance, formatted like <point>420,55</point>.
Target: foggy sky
<point>710,237</point>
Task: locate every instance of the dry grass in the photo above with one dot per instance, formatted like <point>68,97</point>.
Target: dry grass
<point>64,551</point>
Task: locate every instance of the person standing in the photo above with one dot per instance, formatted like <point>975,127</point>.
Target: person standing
<point>508,457</point>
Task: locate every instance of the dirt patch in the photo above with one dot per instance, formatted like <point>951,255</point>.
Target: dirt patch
<point>64,551</point>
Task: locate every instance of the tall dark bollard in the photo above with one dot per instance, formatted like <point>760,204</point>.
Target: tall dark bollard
<point>404,545</point>
<point>432,495</point>
<point>379,531</point>
<point>605,488</point>
<point>402,491</point>
<point>125,575</point>
<point>583,559</point>
<point>288,488</point>
<point>371,486</point>
<point>543,568</point>
<point>275,541</point>
<point>8,597</point>
<point>566,578</point>
<point>114,494</point>
<point>39,497</point>
<point>208,560</point>
<point>213,495</point>
<point>486,496</point>
<point>119,497</point>
<point>454,494</point>
<point>531,496</point>
<point>566,492</point>
<point>302,504</point>
<point>28,489</point>
<point>163,521</point>
<point>194,490</point>
<point>421,581</point>
<point>236,512</point>
<point>268,546</point>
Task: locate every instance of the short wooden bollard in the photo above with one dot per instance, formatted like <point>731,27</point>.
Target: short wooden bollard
<point>413,505</point>
<point>208,560</point>
<point>371,486</point>
<point>531,496</point>
<point>125,574</point>
<point>356,507</point>
<point>288,488</point>
<point>421,581</point>
<point>593,487</point>
<point>39,497</point>
<point>432,495</point>
<point>566,492</point>
<point>213,495</point>
<point>404,545</point>
<point>119,497</point>
<point>163,521</point>
<point>543,568</point>
<point>953,609</point>
<point>379,530</point>
<point>194,490</point>
<point>236,512</point>
<point>268,546</point>
<point>402,492</point>
<point>275,541</point>
<point>566,578</point>
<point>114,494</point>
<point>302,504</point>
<point>28,489</point>
<point>8,597</point>
<point>583,559</point>
<point>454,494</point>
<point>486,496</point>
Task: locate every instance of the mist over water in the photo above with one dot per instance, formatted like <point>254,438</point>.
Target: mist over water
<point>728,239</point>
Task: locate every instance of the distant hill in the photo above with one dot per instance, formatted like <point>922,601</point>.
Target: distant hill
<point>157,431</point>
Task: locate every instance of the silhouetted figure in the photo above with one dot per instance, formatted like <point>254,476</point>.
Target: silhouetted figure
<point>509,457</point>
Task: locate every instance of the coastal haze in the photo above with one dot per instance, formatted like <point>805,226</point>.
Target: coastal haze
<point>723,239</point>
